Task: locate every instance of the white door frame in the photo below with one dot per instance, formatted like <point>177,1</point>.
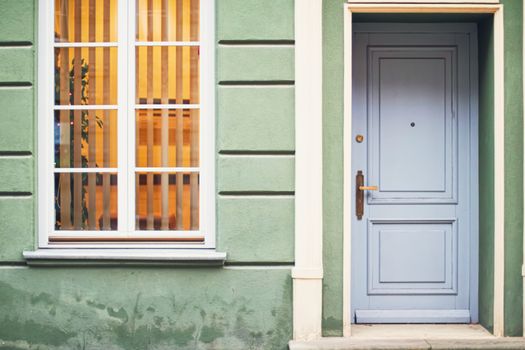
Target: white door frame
<point>497,12</point>
<point>307,273</point>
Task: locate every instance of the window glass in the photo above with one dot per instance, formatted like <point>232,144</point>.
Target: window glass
<point>132,148</point>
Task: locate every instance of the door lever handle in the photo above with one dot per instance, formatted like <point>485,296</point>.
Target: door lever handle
<point>360,195</point>
<point>368,188</point>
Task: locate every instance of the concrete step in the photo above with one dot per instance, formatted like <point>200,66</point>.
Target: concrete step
<point>409,344</point>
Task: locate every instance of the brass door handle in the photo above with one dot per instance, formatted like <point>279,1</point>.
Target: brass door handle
<point>360,194</point>
<point>368,188</point>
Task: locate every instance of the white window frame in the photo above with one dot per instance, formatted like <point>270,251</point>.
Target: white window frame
<point>126,131</point>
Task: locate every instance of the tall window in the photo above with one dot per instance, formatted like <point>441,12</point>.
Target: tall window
<point>126,149</point>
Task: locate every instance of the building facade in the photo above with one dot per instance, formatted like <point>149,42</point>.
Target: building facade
<point>269,115</point>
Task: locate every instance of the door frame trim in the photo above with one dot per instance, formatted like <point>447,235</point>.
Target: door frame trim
<point>497,12</point>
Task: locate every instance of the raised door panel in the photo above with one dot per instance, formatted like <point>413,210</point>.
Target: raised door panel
<point>412,256</point>
<point>412,156</point>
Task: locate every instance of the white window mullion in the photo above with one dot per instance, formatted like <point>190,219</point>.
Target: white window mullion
<point>123,190</point>
<point>130,108</point>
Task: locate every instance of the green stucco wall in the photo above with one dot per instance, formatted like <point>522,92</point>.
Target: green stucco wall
<point>333,167</point>
<point>513,17</point>
<point>244,305</point>
<point>333,160</point>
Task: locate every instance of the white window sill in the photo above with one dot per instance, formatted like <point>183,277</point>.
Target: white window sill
<point>119,257</point>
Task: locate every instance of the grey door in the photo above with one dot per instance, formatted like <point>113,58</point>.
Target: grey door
<point>414,124</point>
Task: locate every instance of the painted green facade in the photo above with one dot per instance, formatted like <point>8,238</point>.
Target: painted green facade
<point>244,305</point>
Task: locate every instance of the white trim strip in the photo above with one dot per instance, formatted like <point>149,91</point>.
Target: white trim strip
<point>347,170</point>
<point>125,254</point>
<point>310,274</point>
<point>84,107</point>
<point>423,8</point>
<point>307,293</point>
<point>499,174</point>
<point>86,44</point>
<point>167,43</point>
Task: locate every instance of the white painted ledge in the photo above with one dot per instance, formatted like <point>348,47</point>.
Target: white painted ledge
<point>186,257</point>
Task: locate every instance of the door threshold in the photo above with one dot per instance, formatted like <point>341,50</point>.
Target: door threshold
<point>419,331</point>
<point>412,316</point>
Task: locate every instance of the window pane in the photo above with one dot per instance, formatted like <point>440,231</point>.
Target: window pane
<point>86,139</point>
<point>167,20</point>
<point>167,138</point>
<point>85,20</point>
<point>86,201</point>
<point>167,75</point>
<point>167,201</point>
<point>86,76</point>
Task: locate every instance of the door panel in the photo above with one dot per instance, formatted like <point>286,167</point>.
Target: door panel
<point>429,266</point>
<point>407,110</point>
<point>411,250</point>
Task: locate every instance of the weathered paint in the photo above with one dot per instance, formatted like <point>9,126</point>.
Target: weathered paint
<point>513,17</point>
<point>106,308</point>
<point>333,167</point>
<point>486,174</point>
<point>256,120</point>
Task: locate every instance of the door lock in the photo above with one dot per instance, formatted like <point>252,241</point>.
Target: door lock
<point>360,194</point>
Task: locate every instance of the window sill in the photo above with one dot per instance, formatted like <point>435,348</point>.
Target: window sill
<point>124,257</point>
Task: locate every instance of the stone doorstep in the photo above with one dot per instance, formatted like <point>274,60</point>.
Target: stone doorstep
<point>409,344</point>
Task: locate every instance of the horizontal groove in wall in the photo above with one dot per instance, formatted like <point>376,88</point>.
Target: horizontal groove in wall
<point>15,153</point>
<point>262,196</point>
<point>251,86</point>
<point>260,82</point>
<point>257,42</point>
<point>256,193</point>
<point>17,44</point>
<point>15,194</point>
<point>15,84</point>
<point>256,153</point>
<point>12,264</point>
<point>249,265</point>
